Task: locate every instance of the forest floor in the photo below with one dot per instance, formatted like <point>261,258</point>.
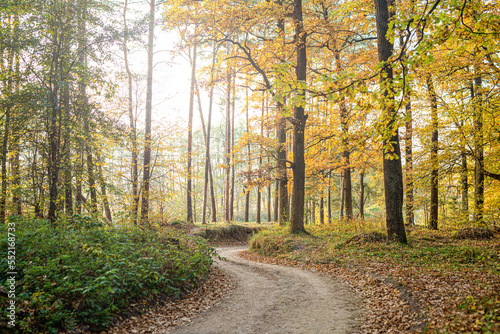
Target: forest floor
<point>310,284</point>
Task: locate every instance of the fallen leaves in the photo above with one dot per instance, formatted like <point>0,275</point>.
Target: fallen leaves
<point>168,314</point>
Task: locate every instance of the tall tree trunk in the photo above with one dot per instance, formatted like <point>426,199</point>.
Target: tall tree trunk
<point>78,177</point>
<point>362,195</point>
<point>283,206</point>
<point>133,129</point>
<point>208,165</point>
<point>189,198</point>
<point>147,129</point>
<point>247,191</point>
<point>479,151</point>
<point>329,196</point>
<point>105,199</point>
<point>346,165</point>
<point>434,204</point>
<point>259,190</point>
<point>393,173</point>
<point>227,153</point>
<point>464,170</point>
<point>233,106</point>
<point>342,192</point>
<point>321,208</point>
<point>409,211</point>
<point>3,197</point>
<point>299,119</point>
<point>68,177</point>
<point>16,172</point>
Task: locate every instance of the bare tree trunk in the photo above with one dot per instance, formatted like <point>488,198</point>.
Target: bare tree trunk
<point>299,119</point>
<point>342,192</point>
<point>393,173</point>
<point>68,177</point>
<point>465,184</point>
<point>283,206</point>
<point>189,199</point>
<point>147,131</point>
<point>434,205</point>
<point>233,105</point>
<point>362,195</point>
<point>208,165</point>
<point>259,190</point>
<point>329,196</point>
<point>247,195</point>
<point>410,215</point>
<point>321,208</point>
<point>105,200</point>
<point>479,151</point>
<point>227,154</point>
<point>133,129</point>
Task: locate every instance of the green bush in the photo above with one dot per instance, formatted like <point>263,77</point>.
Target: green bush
<point>80,273</point>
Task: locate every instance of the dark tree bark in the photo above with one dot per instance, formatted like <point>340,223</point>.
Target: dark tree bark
<point>478,151</point>
<point>362,195</point>
<point>434,205</point>
<point>299,124</point>
<point>329,205</point>
<point>147,130</point>
<point>321,209</point>
<point>409,211</point>
<point>342,192</point>
<point>393,173</point>
<point>283,206</point>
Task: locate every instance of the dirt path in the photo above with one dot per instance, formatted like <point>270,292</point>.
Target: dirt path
<point>276,299</point>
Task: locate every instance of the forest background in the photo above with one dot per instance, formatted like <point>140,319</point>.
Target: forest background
<point>321,116</point>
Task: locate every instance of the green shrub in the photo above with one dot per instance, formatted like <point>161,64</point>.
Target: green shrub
<point>82,273</point>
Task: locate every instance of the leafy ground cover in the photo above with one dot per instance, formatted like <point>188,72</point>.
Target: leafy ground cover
<point>440,282</point>
<point>80,274</point>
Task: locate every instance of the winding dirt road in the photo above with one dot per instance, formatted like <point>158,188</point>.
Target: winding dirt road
<point>272,299</point>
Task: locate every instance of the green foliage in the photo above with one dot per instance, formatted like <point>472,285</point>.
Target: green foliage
<point>82,273</point>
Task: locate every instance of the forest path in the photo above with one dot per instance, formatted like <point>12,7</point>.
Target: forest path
<point>277,299</point>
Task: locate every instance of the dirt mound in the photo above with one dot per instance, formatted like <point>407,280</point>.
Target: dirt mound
<point>367,237</point>
<point>228,233</point>
<point>474,233</point>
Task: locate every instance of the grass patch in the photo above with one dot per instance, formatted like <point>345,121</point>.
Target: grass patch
<point>83,274</point>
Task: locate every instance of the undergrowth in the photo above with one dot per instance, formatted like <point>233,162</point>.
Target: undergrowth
<point>80,273</point>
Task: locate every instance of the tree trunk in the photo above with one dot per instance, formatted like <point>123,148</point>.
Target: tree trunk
<point>133,129</point>
<point>409,212</point>
<point>227,154</point>
<point>68,177</point>
<point>283,206</point>
<point>362,195</point>
<point>189,198</point>
<point>342,192</point>
<point>105,199</point>
<point>147,130</point>
<point>434,204</point>
<point>479,151</point>
<point>247,191</point>
<point>299,119</point>
<point>321,208</point>
<point>393,173</point>
<point>233,105</point>
<point>208,165</point>
<point>464,183</point>
<point>329,196</point>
